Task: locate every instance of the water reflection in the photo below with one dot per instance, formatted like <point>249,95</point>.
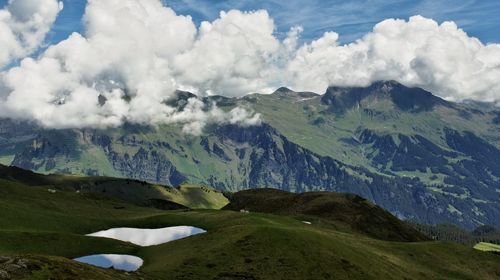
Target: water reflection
<point>148,237</point>
<point>120,262</point>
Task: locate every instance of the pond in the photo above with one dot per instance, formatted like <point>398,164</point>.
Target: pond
<point>138,236</point>
<point>119,262</point>
<point>148,237</point>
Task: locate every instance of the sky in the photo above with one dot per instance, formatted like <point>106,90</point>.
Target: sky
<point>72,63</point>
<point>351,19</point>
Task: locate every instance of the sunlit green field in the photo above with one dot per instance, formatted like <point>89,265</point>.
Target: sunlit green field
<point>489,247</point>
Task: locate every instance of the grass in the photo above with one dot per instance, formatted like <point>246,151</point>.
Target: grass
<point>134,191</point>
<point>488,247</point>
<point>49,267</point>
<point>236,245</point>
<point>345,211</point>
<point>196,196</point>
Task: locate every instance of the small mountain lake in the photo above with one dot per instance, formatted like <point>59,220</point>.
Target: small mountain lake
<point>148,237</point>
<point>137,236</point>
<point>119,262</point>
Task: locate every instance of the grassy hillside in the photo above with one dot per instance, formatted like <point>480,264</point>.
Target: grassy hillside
<point>196,196</point>
<point>134,191</point>
<point>346,211</point>
<point>236,245</point>
<point>404,142</point>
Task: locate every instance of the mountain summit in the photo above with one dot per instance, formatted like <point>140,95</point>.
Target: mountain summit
<point>401,97</point>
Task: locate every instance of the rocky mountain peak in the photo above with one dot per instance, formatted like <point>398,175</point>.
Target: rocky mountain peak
<point>404,98</point>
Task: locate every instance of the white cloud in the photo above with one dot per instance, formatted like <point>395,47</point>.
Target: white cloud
<point>125,58</point>
<point>120,262</point>
<point>419,52</point>
<point>23,26</point>
<point>231,55</point>
<point>135,54</point>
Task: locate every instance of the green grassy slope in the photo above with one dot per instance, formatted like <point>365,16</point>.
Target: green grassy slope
<point>236,245</point>
<point>346,211</point>
<point>134,191</point>
<point>308,122</point>
<point>196,196</point>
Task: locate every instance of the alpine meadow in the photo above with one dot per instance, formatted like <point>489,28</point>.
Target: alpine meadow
<point>249,140</point>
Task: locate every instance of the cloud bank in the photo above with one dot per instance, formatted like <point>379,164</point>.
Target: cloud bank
<point>23,26</point>
<point>126,67</point>
<point>134,54</point>
<point>440,58</point>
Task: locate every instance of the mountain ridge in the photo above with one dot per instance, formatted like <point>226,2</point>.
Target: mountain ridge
<point>377,149</point>
<point>405,98</point>
<point>344,209</point>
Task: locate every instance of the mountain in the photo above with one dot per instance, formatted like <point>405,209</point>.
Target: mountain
<point>343,99</point>
<point>418,156</point>
<point>43,231</point>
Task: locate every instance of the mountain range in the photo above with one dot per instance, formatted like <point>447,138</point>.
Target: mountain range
<point>414,154</point>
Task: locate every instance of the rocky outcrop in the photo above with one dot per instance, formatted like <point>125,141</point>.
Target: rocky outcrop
<point>146,165</point>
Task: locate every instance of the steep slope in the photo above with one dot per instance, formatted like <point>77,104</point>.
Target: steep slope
<point>345,210</point>
<point>396,131</point>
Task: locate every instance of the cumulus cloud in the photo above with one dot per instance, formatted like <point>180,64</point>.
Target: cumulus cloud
<point>125,68</point>
<point>231,56</point>
<point>420,52</point>
<point>23,26</point>
<point>134,54</point>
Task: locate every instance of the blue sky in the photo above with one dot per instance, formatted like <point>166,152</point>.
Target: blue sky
<point>351,19</point>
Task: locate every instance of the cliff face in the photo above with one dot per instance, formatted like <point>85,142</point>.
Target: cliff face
<point>90,152</point>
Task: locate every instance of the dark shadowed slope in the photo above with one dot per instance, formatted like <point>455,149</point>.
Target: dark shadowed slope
<point>133,191</point>
<point>345,210</point>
